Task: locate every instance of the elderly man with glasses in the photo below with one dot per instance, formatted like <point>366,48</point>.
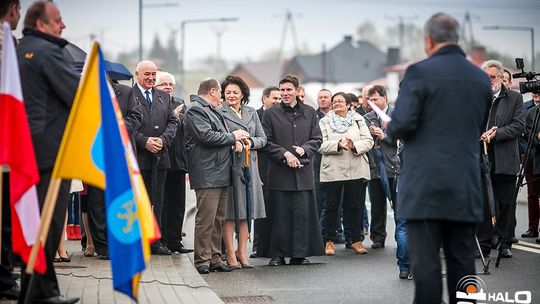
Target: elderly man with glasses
<point>174,199</point>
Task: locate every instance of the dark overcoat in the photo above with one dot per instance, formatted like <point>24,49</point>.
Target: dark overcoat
<point>440,113</point>
<point>208,146</point>
<point>177,150</point>
<point>129,106</point>
<point>49,85</point>
<point>286,127</point>
<point>509,119</point>
<point>158,121</point>
<point>388,148</point>
<point>250,123</point>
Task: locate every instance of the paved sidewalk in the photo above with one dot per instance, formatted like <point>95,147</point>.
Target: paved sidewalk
<point>167,279</point>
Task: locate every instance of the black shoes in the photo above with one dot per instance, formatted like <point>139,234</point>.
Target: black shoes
<point>159,250</point>
<point>179,248</point>
<point>299,261</point>
<point>506,253</point>
<point>104,257</point>
<point>221,268</point>
<point>405,275</point>
<point>377,245</point>
<point>538,240</point>
<point>277,262</point>
<point>253,256</point>
<point>203,269</point>
<point>58,300</point>
<point>530,234</point>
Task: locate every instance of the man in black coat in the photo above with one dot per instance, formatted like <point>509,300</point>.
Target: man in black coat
<point>49,85</point>
<point>97,213</point>
<point>174,200</point>
<point>153,138</point>
<point>503,131</point>
<point>440,113</point>
<point>209,152</point>
<point>293,133</point>
<point>385,151</point>
<point>533,183</point>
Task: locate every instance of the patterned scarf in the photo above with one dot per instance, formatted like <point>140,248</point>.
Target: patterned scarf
<point>340,124</point>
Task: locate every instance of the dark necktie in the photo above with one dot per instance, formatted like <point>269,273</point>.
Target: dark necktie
<point>148,100</point>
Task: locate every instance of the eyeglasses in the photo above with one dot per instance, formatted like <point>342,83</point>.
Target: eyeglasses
<point>166,84</point>
<point>493,77</point>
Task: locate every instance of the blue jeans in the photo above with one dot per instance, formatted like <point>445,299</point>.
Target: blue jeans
<point>402,253</point>
<point>365,220</point>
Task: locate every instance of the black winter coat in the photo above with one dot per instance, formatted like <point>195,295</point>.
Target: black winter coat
<point>284,127</point>
<point>208,146</point>
<point>158,121</point>
<point>440,113</point>
<point>129,106</point>
<point>49,85</point>
<point>177,151</point>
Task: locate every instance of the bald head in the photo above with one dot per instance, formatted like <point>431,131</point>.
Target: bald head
<point>146,74</point>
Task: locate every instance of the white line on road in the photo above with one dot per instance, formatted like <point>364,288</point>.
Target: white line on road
<point>526,249</point>
<point>528,244</point>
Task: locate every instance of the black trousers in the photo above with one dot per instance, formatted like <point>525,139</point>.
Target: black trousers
<point>379,208</point>
<point>156,194</point>
<point>353,193</point>
<point>6,280</point>
<point>174,207</point>
<point>425,239</point>
<point>484,230</point>
<point>504,187</point>
<point>46,285</point>
<point>97,219</point>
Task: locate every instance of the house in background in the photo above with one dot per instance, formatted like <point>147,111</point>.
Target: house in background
<point>346,67</point>
<point>258,75</point>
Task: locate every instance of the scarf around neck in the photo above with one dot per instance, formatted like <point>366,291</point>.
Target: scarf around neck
<point>340,124</point>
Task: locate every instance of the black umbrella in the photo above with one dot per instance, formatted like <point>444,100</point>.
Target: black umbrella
<point>486,177</point>
<point>117,71</point>
<point>246,180</point>
<point>74,56</point>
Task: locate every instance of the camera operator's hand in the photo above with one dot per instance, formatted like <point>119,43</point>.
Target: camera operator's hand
<point>292,161</point>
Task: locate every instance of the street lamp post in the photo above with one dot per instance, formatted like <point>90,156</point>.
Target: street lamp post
<point>153,5</point>
<point>516,28</point>
<point>183,37</point>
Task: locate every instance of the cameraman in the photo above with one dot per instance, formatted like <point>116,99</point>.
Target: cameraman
<point>505,126</point>
<point>532,169</point>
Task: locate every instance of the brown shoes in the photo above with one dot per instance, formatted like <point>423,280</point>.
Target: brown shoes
<point>359,248</point>
<point>329,248</point>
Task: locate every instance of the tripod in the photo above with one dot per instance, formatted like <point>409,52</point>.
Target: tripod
<point>507,229</point>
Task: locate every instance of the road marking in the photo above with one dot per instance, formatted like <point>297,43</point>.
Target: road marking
<point>528,244</point>
<point>526,249</point>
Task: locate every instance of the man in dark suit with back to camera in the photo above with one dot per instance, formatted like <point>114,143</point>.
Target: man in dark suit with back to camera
<point>49,85</point>
<point>440,113</point>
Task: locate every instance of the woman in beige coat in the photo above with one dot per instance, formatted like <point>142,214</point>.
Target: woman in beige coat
<point>344,168</point>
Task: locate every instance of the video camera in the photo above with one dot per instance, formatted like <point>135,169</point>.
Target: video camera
<point>532,84</point>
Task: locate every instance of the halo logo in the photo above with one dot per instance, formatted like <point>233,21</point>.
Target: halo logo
<point>471,288</point>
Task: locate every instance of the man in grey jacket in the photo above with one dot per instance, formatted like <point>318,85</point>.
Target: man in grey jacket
<point>209,146</point>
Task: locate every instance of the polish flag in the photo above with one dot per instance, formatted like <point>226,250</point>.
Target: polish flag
<point>17,151</point>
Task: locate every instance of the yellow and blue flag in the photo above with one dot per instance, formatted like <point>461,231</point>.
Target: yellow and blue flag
<point>131,224</point>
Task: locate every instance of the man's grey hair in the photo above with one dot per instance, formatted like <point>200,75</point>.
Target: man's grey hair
<point>442,28</point>
<point>161,74</point>
<point>493,64</point>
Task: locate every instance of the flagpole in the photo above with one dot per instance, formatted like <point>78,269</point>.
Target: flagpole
<point>1,203</point>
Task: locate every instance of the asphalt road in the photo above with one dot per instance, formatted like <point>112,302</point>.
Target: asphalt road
<point>371,278</point>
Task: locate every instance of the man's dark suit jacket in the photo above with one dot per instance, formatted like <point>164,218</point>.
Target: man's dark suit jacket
<point>158,121</point>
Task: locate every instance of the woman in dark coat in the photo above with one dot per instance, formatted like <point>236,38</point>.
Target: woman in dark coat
<point>239,116</point>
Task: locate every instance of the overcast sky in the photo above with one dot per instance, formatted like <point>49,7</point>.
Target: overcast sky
<point>260,23</point>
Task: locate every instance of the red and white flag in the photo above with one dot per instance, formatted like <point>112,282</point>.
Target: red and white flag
<point>17,151</point>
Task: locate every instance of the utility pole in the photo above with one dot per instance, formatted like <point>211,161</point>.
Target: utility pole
<point>219,33</point>
<point>401,27</point>
<point>289,22</point>
<point>141,6</point>
<point>516,28</point>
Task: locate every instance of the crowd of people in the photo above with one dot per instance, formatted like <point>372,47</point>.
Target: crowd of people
<point>298,174</point>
